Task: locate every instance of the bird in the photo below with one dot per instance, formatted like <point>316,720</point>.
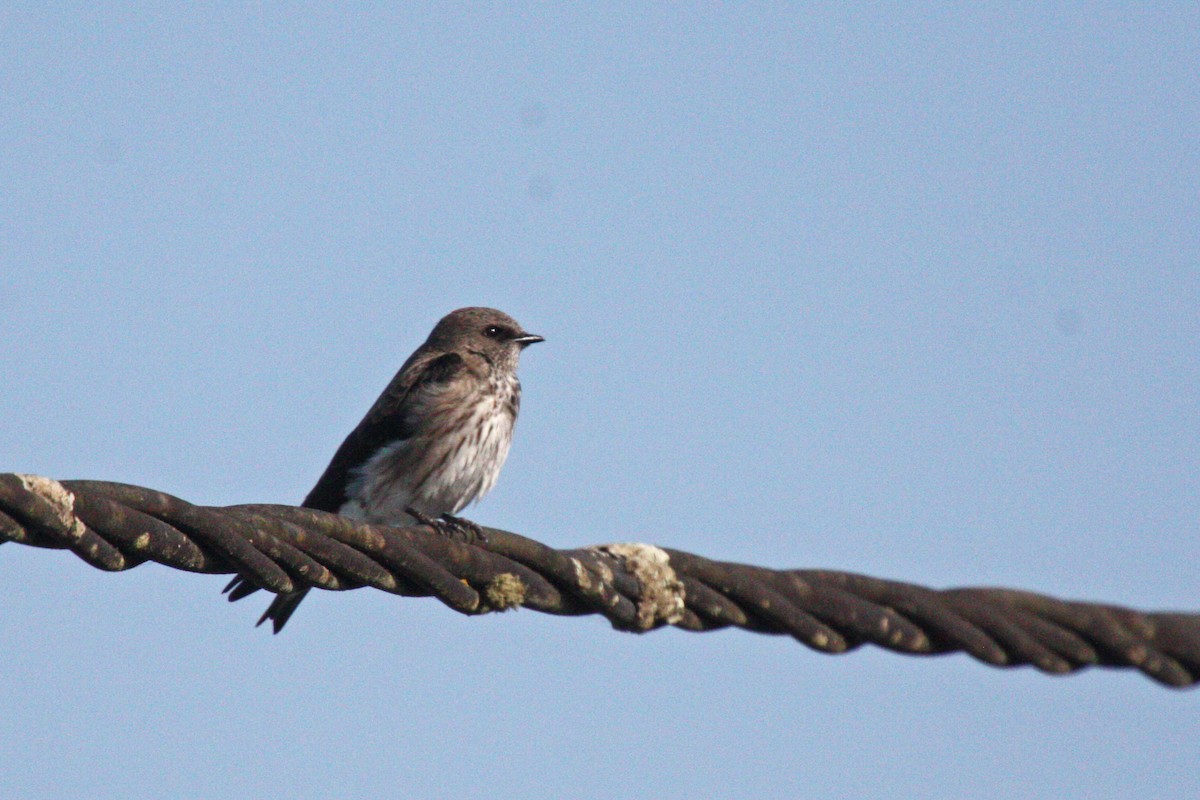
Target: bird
<point>433,442</point>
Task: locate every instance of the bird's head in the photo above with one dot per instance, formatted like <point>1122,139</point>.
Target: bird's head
<point>485,331</point>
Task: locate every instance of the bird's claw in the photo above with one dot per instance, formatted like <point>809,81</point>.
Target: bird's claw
<point>451,526</point>
<point>469,530</point>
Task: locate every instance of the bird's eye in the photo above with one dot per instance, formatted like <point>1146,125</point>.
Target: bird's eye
<point>492,332</point>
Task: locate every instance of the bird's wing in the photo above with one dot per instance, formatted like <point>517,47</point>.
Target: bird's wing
<point>386,422</point>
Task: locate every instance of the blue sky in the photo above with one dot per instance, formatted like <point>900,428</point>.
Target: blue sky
<point>908,291</point>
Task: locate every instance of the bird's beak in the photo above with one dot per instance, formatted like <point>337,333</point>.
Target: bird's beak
<point>526,339</point>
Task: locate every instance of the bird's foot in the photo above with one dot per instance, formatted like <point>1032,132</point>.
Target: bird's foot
<point>451,526</point>
<point>469,530</point>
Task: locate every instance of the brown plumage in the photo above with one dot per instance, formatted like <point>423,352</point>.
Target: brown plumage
<point>434,441</point>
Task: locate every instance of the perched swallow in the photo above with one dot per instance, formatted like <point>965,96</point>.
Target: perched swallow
<point>433,442</point>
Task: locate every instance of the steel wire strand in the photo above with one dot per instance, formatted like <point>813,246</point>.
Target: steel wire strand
<point>637,587</point>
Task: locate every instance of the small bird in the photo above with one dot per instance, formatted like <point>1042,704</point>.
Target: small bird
<point>432,443</point>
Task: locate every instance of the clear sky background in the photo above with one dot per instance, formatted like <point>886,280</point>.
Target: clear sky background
<point>906,290</point>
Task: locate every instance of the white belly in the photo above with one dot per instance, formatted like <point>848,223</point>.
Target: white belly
<point>435,474</point>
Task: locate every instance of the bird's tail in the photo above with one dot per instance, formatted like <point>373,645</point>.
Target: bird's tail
<point>281,607</point>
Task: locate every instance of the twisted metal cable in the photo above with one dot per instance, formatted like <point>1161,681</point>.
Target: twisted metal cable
<point>638,587</point>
